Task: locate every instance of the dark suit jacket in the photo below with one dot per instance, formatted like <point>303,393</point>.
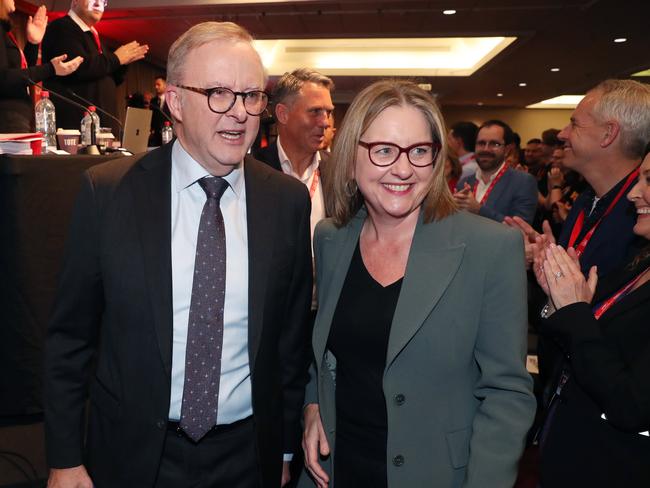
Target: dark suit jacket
<point>269,155</point>
<point>158,120</point>
<point>458,398</point>
<point>111,328</point>
<point>609,364</point>
<point>514,194</point>
<point>95,80</point>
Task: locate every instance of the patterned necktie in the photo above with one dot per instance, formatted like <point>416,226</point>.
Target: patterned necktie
<point>205,325</point>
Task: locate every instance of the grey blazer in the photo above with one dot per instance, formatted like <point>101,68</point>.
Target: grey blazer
<point>515,194</point>
<point>458,397</point>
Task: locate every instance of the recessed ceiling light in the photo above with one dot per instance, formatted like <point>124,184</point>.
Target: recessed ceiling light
<point>499,94</point>
<point>620,39</point>
<point>522,84</point>
<point>555,70</point>
<point>480,104</point>
<point>449,12</point>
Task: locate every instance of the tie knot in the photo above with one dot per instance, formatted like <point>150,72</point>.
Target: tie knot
<point>213,186</point>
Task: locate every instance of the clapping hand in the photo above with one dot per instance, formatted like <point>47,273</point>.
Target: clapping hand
<point>465,199</point>
<point>534,242</point>
<point>564,280</point>
<point>36,26</point>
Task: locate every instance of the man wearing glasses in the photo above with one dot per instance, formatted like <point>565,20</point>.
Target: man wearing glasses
<point>102,70</point>
<point>497,191</point>
<point>184,296</point>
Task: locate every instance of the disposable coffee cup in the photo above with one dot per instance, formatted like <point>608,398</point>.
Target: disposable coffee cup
<point>68,140</point>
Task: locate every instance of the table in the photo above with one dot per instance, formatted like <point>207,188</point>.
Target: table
<point>36,198</point>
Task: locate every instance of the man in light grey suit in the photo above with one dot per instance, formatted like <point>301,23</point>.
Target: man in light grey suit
<point>497,191</point>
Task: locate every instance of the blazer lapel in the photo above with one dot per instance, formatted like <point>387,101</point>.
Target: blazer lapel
<point>260,249</point>
<point>432,264</point>
<point>344,249</point>
<point>151,185</point>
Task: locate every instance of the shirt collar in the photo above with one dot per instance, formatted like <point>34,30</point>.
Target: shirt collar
<point>77,20</point>
<point>186,171</point>
<point>286,165</point>
<point>494,175</point>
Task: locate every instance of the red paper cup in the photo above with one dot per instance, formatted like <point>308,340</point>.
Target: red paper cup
<point>36,147</point>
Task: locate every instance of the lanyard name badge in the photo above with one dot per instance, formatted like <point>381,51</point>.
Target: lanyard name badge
<point>580,220</point>
<point>494,182</point>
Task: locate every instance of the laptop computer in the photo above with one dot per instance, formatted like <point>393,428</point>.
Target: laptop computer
<point>136,129</point>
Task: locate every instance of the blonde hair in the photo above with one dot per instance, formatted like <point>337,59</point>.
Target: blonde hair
<point>199,35</point>
<point>344,198</point>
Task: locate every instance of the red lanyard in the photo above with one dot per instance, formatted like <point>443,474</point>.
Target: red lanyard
<point>96,36</point>
<point>23,60</point>
<point>606,305</point>
<point>314,183</point>
<point>494,182</point>
<point>580,220</point>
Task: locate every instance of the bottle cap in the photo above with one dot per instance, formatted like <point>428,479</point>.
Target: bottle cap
<point>92,108</point>
<point>168,123</point>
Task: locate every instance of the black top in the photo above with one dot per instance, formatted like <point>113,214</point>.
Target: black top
<point>17,113</point>
<point>608,375</point>
<point>359,340</point>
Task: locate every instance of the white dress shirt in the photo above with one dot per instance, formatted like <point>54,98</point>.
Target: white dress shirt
<point>469,164</point>
<point>317,201</point>
<point>482,187</point>
<point>187,203</point>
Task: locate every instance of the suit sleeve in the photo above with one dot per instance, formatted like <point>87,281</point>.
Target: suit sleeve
<point>523,203</point>
<point>311,391</point>
<point>504,387</point>
<point>13,81</point>
<point>621,388</point>
<point>65,37</point>
<point>294,343</point>
<point>72,334</point>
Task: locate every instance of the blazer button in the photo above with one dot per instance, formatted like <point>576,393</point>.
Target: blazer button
<point>398,460</point>
<point>400,399</point>
<point>161,424</point>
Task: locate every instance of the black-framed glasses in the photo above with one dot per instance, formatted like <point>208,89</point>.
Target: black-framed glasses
<point>383,154</point>
<point>222,99</point>
<point>489,144</point>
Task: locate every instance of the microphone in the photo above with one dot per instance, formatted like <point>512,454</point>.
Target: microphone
<point>74,94</point>
<point>92,149</point>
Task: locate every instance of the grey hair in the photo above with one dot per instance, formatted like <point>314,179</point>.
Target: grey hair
<point>628,103</point>
<point>290,84</point>
<point>199,35</point>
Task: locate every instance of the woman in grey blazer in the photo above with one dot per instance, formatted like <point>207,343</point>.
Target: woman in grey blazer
<point>419,342</point>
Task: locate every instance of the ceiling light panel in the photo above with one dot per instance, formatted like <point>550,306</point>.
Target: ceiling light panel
<point>451,56</point>
<point>563,101</point>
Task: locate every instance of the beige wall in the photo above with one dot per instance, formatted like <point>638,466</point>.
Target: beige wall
<point>528,123</point>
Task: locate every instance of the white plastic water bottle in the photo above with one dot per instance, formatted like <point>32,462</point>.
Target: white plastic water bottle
<point>86,124</point>
<point>85,129</point>
<point>167,133</point>
<point>46,120</point>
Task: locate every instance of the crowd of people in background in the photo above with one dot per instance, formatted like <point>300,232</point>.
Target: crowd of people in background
<point>422,237</point>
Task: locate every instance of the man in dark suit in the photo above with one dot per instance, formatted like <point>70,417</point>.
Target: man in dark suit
<point>184,297</point>
<point>102,70</point>
<point>159,111</point>
<point>496,191</point>
<point>303,105</point>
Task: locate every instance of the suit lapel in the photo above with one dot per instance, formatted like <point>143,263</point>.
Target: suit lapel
<point>432,264</point>
<point>261,229</point>
<point>344,249</point>
<point>151,186</point>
